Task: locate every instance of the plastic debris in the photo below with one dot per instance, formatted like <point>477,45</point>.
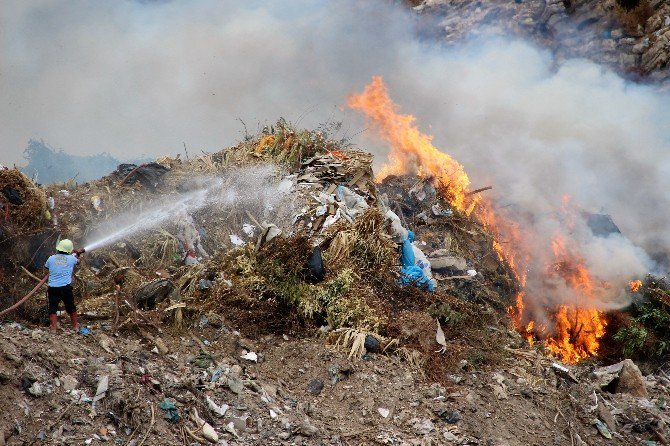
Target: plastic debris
<point>439,337</point>
<point>219,410</point>
<point>101,391</point>
<point>236,240</point>
<point>410,273</point>
<point>316,270</point>
<point>207,430</point>
<point>250,356</point>
<point>204,284</point>
<point>248,229</point>
<point>352,204</point>
<point>602,429</point>
<point>96,202</point>
<point>171,411</point>
<point>439,211</point>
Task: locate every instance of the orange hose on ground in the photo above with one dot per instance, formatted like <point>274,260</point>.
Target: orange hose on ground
<point>25,298</point>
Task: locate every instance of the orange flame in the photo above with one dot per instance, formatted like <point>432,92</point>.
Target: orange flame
<point>577,328</point>
<point>409,146</point>
<point>635,285</point>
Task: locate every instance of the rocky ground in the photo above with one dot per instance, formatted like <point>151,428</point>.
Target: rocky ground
<point>631,37</point>
<point>109,387</point>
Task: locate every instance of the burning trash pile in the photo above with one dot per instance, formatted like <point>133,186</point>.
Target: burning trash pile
<point>288,220</point>
<point>297,226</point>
<point>294,220</point>
<point>291,231</point>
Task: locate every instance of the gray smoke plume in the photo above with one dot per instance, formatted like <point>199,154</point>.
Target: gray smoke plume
<point>130,77</point>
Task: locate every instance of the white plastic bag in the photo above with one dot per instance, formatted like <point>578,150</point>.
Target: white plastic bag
<point>422,261</point>
<point>399,233</point>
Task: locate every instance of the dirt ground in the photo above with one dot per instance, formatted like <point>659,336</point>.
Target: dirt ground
<point>301,391</point>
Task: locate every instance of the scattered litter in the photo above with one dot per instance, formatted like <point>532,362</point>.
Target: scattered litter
<point>101,391</point>
<point>248,229</point>
<point>207,430</point>
<point>602,429</point>
<point>204,284</point>
<point>220,411</point>
<point>250,356</point>
<point>439,211</point>
<point>236,240</point>
<point>439,337</point>
<point>96,202</point>
<point>171,411</point>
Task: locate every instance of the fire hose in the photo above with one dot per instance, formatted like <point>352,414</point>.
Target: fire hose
<point>26,297</point>
<point>77,253</point>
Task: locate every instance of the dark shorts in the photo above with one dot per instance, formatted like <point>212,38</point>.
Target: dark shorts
<point>64,293</point>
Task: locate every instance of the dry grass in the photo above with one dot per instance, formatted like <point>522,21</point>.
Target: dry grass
<point>31,213</point>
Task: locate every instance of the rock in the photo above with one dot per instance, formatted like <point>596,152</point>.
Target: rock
<point>449,416</point>
<point>423,427</point>
<point>69,383</point>
<point>161,346</point>
<point>284,435</point>
<point>383,412</point>
<point>631,380</point>
<point>628,60</point>
<point>240,424</point>
<point>449,436</point>
<point>306,428</point>
<point>639,48</point>
<point>607,417</point>
<point>371,344</point>
<point>6,374</point>
<point>579,441</point>
<point>235,384</point>
<point>441,260</point>
<point>315,386</point>
<point>10,352</point>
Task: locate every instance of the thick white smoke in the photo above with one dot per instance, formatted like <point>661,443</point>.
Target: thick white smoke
<point>132,77</point>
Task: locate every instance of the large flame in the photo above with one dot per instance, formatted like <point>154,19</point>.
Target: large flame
<point>410,147</point>
<point>577,326</point>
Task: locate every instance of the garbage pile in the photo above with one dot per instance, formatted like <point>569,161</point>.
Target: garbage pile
<point>287,236</point>
<point>452,249</point>
<point>289,231</point>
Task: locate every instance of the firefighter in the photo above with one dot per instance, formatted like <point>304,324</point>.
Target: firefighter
<point>61,266</point>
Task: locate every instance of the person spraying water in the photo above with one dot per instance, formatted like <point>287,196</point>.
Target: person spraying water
<point>61,267</point>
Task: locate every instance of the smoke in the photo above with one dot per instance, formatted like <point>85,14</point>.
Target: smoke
<point>144,77</point>
<point>131,78</point>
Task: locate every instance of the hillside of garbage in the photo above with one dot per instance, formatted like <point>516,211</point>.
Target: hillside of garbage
<point>275,292</point>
